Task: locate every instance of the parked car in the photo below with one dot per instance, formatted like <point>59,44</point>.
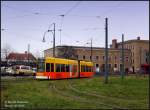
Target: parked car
<point>3,71</point>
<point>10,71</point>
<point>23,70</point>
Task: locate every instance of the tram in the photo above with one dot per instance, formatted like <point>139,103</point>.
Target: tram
<point>58,68</point>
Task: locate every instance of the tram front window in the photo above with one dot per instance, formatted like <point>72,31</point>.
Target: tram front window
<point>41,65</point>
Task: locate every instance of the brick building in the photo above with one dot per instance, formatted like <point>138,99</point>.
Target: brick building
<point>21,58</point>
<point>135,53</point>
<point>98,56</point>
<point>139,51</point>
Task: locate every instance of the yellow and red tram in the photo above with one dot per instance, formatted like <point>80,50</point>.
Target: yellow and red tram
<point>58,68</point>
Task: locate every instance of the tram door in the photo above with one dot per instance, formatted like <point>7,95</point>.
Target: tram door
<point>70,70</point>
<point>73,71</point>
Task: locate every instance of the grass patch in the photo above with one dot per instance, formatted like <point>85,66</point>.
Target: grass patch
<point>130,93</point>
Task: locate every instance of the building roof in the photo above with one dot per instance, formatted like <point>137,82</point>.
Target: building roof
<point>83,47</point>
<point>20,56</point>
<point>138,40</point>
<point>134,40</point>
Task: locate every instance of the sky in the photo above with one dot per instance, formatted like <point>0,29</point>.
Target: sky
<point>25,22</point>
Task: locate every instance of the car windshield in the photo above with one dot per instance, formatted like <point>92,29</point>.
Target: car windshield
<point>25,67</point>
<point>41,65</point>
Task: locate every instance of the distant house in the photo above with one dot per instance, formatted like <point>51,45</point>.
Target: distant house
<point>21,58</point>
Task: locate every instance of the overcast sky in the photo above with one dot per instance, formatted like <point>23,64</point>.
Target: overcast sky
<point>24,22</point>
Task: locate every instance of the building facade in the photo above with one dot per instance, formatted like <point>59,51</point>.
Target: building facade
<point>136,53</point>
<point>139,51</point>
<point>98,56</point>
<point>21,59</point>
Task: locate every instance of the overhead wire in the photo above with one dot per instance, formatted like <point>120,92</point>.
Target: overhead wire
<point>26,11</point>
<point>30,13</point>
<point>66,14</point>
<point>61,24</point>
<point>72,8</point>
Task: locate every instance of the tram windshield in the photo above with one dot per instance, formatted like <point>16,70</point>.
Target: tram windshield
<point>41,65</point>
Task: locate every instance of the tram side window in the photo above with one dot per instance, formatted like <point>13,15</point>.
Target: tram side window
<point>90,68</point>
<point>58,67</point>
<point>52,67</point>
<point>87,68</point>
<point>62,67</point>
<point>47,67</point>
<point>74,68</point>
<point>67,68</point>
<point>82,68</point>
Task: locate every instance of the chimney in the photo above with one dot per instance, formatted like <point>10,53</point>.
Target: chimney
<point>25,52</point>
<point>138,38</point>
<point>114,43</point>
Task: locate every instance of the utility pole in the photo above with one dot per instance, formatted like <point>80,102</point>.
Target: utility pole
<point>54,42</point>
<point>122,54</point>
<point>106,50</point>
<point>91,50</point>
<point>53,32</point>
<point>28,53</point>
<point>60,36</point>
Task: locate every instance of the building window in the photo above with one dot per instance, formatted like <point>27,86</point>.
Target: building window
<point>115,58</point>
<point>97,57</point>
<point>77,56</point>
<point>109,58</point>
<point>120,58</point>
<point>109,66</point>
<point>84,57</point>
<point>115,65</point>
<point>90,57</point>
<point>147,57</point>
<point>103,67</point>
<point>146,60</point>
<point>97,65</point>
<point>120,67</point>
<point>103,57</point>
<point>126,58</point>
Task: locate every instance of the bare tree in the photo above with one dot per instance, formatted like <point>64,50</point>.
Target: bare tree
<point>5,50</point>
<point>37,54</point>
<point>67,52</point>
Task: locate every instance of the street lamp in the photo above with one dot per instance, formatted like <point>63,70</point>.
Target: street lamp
<point>91,48</point>
<point>53,32</point>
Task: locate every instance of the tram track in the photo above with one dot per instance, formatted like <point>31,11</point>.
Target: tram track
<point>111,99</point>
<point>81,99</point>
<point>93,93</point>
